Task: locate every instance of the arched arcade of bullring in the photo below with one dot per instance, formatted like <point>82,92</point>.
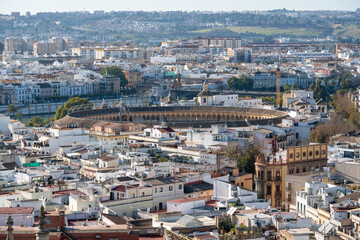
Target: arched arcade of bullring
<point>192,115</point>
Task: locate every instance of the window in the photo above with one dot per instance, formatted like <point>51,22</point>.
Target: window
<point>304,154</point>
<point>317,152</point>
<point>277,188</point>
<point>291,155</point>
<point>204,100</point>
<point>155,190</point>
<point>180,186</point>
<point>124,214</point>
<point>297,155</point>
<point>170,188</point>
<point>323,152</point>
<point>289,187</point>
<point>268,190</point>
<point>268,175</point>
<point>143,194</point>
<point>310,153</point>
<point>161,189</point>
<point>133,195</point>
<point>297,135</point>
<point>304,169</point>
<point>289,198</point>
<point>297,170</point>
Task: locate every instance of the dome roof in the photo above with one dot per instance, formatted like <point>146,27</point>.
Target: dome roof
<point>205,93</point>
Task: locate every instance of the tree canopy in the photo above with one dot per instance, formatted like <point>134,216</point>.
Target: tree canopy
<point>19,115</point>
<point>115,72</point>
<point>63,110</point>
<point>36,122</point>
<point>245,159</point>
<point>324,88</point>
<point>345,120</point>
<point>240,83</point>
<point>12,109</point>
<point>271,100</point>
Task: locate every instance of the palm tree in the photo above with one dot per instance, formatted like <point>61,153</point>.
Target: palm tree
<point>19,115</point>
<point>12,109</point>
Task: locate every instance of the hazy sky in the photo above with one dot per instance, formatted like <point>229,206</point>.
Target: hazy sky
<point>7,6</point>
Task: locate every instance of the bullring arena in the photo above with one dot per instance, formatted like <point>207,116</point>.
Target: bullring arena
<point>181,116</point>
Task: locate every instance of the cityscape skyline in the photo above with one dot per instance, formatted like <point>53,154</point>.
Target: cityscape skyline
<point>164,120</point>
<point>163,5</point>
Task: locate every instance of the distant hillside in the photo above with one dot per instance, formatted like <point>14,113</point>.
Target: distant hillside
<point>141,26</point>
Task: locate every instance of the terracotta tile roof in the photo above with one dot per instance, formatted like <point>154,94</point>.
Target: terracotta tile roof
<point>208,236</point>
<point>165,130</point>
<point>115,219</point>
<point>101,124</point>
<point>16,210</point>
<point>210,203</point>
<point>66,192</point>
<point>122,188</point>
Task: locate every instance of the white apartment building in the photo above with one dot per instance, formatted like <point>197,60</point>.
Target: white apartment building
<point>20,215</point>
<point>216,136</point>
<point>227,193</point>
<point>165,189</point>
<point>92,53</point>
<point>226,100</point>
<point>185,205</point>
<point>303,56</point>
<point>316,196</point>
<point>60,137</point>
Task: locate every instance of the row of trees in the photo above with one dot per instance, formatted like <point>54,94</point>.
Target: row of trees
<point>64,109</point>
<point>326,87</point>
<point>242,82</point>
<point>346,119</point>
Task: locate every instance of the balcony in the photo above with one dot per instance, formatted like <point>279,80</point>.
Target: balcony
<point>268,179</point>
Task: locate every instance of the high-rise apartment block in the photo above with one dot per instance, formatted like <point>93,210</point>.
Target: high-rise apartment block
<point>18,45</point>
<point>225,42</point>
<point>53,45</point>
